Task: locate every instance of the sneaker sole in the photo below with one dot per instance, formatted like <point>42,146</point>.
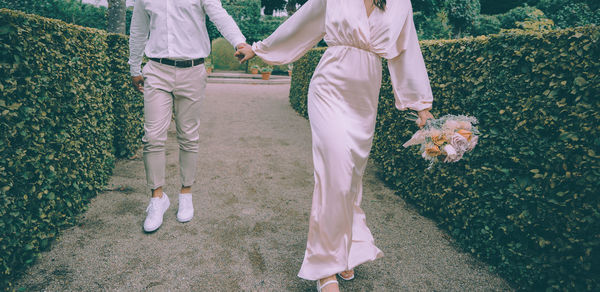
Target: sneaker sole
<point>150,231</point>
<point>185,220</point>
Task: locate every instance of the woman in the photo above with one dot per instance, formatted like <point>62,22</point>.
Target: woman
<point>342,105</point>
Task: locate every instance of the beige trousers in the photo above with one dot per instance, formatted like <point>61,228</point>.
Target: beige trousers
<point>163,86</point>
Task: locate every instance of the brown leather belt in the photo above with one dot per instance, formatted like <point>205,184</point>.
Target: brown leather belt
<point>179,63</point>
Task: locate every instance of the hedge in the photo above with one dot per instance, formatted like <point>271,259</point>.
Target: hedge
<point>222,56</point>
<point>64,114</point>
<point>128,104</point>
<point>526,200</point>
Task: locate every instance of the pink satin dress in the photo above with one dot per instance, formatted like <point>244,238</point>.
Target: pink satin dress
<point>342,106</point>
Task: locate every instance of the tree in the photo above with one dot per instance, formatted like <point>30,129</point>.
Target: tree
<point>116,22</point>
<point>496,7</point>
<point>72,11</point>
<point>430,27</point>
<point>272,5</point>
<point>428,7</point>
<point>462,14</point>
<point>293,5</point>
<point>246,14</point>
<point>569,13</point>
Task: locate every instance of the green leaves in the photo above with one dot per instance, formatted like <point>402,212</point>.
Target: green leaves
<point>526,200</point>
<point>66,111</point>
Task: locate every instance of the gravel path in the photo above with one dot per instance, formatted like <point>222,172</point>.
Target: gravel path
<point>252,201</point>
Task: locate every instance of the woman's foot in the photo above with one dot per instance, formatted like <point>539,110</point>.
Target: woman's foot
<point>328,284</point>
<point>347,275</point>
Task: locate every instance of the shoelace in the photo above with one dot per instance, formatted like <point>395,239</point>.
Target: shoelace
<point>151,206</point>
<point>185,201</point>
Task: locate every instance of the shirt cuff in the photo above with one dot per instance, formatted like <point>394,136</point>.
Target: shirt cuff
<point>238,41</point>
<point>416,106</point>
<point>135,71</point>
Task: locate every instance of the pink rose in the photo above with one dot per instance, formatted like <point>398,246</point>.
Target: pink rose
<point>472,142</point>
<point>459,143</point>
<point>451,154</point>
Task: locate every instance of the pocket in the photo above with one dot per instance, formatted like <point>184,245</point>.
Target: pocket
<point>202,69</point>
<point>145,68</point>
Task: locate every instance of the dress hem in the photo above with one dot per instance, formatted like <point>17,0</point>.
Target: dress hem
<point>338,269</point>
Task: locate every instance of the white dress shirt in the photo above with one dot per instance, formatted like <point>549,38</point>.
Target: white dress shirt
<point>176,29</point>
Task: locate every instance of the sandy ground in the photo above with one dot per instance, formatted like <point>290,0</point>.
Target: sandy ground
<point>252,201</point>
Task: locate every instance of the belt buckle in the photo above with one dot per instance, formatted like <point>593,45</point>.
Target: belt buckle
<point>175,63</point>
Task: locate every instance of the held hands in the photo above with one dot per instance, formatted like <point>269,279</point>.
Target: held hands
<point>244,52</point>
<point>138,83</point>
<point>424,115</point>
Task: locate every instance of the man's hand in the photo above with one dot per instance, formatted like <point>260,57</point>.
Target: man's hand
<point>138,83</point>
<point>244,52</point>
<point>424,115</point>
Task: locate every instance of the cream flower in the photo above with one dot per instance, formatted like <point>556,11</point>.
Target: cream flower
<point>451,125</point>
<point>434,133</point>
<point>464,125</point>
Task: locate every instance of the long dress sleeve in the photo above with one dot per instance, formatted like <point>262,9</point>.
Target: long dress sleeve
<point>408,72</point>
<point>138,36</point>
<point>292,39</point>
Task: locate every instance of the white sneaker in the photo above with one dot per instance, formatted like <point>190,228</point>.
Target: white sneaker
<point>156,209</point>
<point>186,208</point>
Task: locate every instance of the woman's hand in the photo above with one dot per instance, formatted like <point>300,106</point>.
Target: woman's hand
<point>424,115</point>
<point>244,52</point>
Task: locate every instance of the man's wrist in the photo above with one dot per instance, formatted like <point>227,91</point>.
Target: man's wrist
<point>240,42</point>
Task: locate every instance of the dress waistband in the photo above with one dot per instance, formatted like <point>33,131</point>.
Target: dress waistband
<point>354,47</point>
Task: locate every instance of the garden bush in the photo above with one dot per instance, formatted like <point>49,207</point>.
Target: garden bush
<point>71,11</point>
<point>57,147</point>
<point>526,200</point>
<point>277,69</point>
<point>485,25</point>
<point>222,56</point>
<point>569,13</point>
<point>431,27</point>
<point>509,19</point>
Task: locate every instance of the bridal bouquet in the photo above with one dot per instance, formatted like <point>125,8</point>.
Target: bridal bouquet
<point>448,137</point>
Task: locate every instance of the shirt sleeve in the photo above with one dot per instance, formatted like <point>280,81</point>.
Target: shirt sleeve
<point>138,36</point>
<point>224,22</point>
<point>408,73</point>
<point>299,33</point>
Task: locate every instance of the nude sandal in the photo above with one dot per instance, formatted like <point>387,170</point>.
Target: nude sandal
<point>319,286</point>
<point>349,278</point>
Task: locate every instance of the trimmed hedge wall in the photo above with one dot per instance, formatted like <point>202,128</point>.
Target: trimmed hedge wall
<point>64,113</point>
<point>526,200</point>
<point>128,104</point>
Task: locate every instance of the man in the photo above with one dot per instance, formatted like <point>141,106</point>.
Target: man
<point>174,37</point>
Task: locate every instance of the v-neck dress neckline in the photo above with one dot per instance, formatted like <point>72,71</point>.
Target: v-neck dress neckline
<point>366,10</point>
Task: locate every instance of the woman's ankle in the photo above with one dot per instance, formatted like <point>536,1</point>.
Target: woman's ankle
<point>326,279</point>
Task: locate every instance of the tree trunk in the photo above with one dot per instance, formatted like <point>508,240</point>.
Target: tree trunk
<point>116,16</point>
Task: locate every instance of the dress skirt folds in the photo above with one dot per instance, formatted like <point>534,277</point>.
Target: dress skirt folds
<point>342,107</point>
